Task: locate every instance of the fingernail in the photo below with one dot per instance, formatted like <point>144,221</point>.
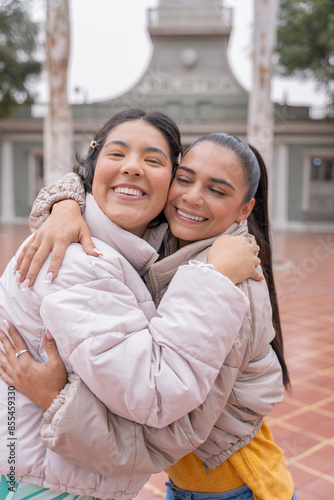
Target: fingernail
<point>6,324</point>
<point>97,251</point>
<point>18,278</point>
<point>25,285</point>
<point>14,267</point>
<point>49,277</point>
<point>48,335</point>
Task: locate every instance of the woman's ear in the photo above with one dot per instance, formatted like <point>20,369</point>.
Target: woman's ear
<point>245,211</point>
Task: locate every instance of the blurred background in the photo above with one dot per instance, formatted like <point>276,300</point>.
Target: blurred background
<point>199,61</point>
<point>115,37</point>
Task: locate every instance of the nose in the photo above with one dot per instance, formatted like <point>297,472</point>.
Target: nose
<point>193,196</point>
<point>132,167</point>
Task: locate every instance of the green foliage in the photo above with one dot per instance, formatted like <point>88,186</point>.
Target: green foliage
<point>18,44</point>
<point>305,41</point>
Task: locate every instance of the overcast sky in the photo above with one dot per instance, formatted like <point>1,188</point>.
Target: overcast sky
<point>111,49</point>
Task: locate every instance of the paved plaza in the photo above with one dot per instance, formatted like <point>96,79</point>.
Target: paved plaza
<point>303,425</point>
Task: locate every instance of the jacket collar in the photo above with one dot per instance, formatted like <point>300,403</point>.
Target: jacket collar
<point>156,236</point>
<point>162,272</point>
<point>138,252</point>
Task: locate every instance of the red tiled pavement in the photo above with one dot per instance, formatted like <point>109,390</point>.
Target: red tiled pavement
<point>303,424</point>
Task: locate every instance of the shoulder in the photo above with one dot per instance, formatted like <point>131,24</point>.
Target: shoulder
<point>257,293</point>
<point>78,267</point>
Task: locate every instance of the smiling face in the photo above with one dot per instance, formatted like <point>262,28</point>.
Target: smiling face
<point>132,175</point>
<point>207,193</point>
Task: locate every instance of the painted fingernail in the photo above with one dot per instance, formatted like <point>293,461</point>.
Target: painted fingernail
<point>6,325</point>
<point>97,251</point>
<point>25,285</point>
<point>18,278</point>
<point>49,277</point>
<point>14,267</point>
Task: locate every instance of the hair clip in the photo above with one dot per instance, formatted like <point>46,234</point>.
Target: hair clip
<point>178,161</point>
<point>93,144</point>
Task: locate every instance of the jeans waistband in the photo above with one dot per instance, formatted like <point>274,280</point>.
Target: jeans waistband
<point>243,493</point>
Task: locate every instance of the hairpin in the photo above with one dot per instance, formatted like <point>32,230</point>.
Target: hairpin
<point>178,161</point>
<point>93,144</point>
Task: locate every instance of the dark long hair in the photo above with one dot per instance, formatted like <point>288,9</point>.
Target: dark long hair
<point>86,166</point>
<point>256,180</point>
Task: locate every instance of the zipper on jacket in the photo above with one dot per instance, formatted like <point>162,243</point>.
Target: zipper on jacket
<point>206,469</point>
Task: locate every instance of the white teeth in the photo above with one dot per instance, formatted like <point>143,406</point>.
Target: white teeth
<point>192,217</point>
<point>133,192</point>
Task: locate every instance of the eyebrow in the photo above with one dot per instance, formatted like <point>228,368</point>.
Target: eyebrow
<point>151,149</point>
<point>148,149</point>
<point>119,143</point>
<point>212,179</point>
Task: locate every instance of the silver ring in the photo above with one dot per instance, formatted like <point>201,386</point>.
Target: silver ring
<point>17,354</point>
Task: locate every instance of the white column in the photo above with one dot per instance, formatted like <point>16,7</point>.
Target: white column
<point>7,182</point>
<point>260,121</point>
<point>280,219</point>
<point>58,126</point>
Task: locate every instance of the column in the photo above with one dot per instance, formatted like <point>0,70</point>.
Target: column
<point>7,182</point>
<point>280,218</point>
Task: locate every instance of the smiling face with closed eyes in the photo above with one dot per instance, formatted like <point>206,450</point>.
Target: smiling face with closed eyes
<point>207,193</point>
<point>132,175</point>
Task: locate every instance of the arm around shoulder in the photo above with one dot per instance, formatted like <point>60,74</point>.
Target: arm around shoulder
<point>68,187</point>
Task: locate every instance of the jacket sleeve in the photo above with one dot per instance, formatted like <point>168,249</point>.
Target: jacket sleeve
<point>150,371</point>
<point>80,428</point>
<point>68,187</point>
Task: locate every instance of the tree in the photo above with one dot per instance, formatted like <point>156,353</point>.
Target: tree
<point>18,44</point>
<point>260,123</point>
<point>305,41</point>
<point>58,133</point>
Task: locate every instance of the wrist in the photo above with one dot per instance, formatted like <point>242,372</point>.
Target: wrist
<point>225,271</point>
<point>67,204</point>
<point>48,399</point>
<point>228,274</point>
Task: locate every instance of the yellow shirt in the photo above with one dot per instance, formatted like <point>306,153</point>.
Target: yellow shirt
<point>260,465</point>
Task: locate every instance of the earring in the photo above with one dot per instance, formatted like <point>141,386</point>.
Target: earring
<point>241,223</point>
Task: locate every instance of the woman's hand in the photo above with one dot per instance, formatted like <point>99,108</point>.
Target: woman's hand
<point>40,382</point>
<point>65,225</point>
<point>235,257</point>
